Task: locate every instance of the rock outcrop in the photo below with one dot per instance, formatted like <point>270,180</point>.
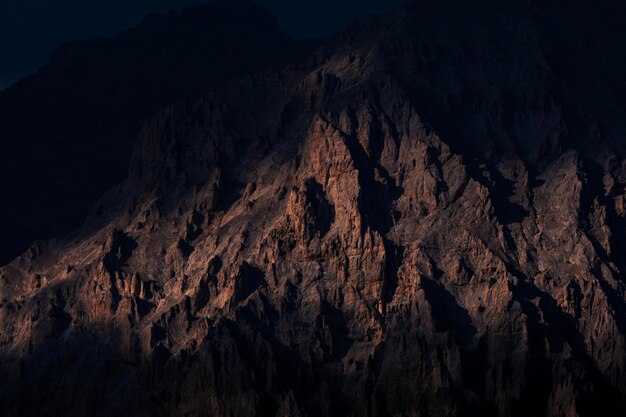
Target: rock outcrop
<point>424,219</point>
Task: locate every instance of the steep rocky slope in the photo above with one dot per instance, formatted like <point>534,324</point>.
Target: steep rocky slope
<point>425,219</point>
<point>67,131</point>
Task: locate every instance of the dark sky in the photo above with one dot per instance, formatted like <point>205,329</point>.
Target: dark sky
<point>31,29</point>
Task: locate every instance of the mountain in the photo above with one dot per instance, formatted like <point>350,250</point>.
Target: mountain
<point>424,216</point>
<point>67,131</point>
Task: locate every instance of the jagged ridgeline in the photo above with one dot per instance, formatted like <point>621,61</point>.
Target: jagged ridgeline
<point>421,216</point>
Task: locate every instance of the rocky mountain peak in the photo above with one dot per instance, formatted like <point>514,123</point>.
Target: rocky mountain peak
<point>423,216</point>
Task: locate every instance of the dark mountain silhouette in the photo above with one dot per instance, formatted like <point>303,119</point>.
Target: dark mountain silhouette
<point>68,130</point>
<point>423,216</point>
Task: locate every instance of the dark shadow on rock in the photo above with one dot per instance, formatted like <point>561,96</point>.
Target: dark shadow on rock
<point>448,315</point>
<point>247,281</point>
<point>542,324</point>
<point>506,210</point>
<point>320,209</point>
<point>332,332</point>
<point>229,192</point>
<point>120,250</point>
<point>185,248</point>
<point>394,258</point>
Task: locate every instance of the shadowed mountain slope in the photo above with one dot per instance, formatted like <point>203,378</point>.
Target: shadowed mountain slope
<point>426,218</point>
<point>67,131</point>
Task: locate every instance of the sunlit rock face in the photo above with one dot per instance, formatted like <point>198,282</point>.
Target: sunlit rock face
<point>425,217</point>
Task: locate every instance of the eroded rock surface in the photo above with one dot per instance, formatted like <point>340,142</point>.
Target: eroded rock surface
<point>425,219</point>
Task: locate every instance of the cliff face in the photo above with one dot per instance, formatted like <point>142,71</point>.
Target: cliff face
<point>425,219</point>
<point>67,131</point>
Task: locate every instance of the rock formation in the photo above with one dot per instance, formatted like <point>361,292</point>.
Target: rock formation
<point>424,217</point>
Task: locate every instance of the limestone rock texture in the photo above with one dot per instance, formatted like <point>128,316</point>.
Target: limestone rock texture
<point>424,217</point>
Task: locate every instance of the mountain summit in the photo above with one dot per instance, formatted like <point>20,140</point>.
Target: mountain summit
<point>425,215</point>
